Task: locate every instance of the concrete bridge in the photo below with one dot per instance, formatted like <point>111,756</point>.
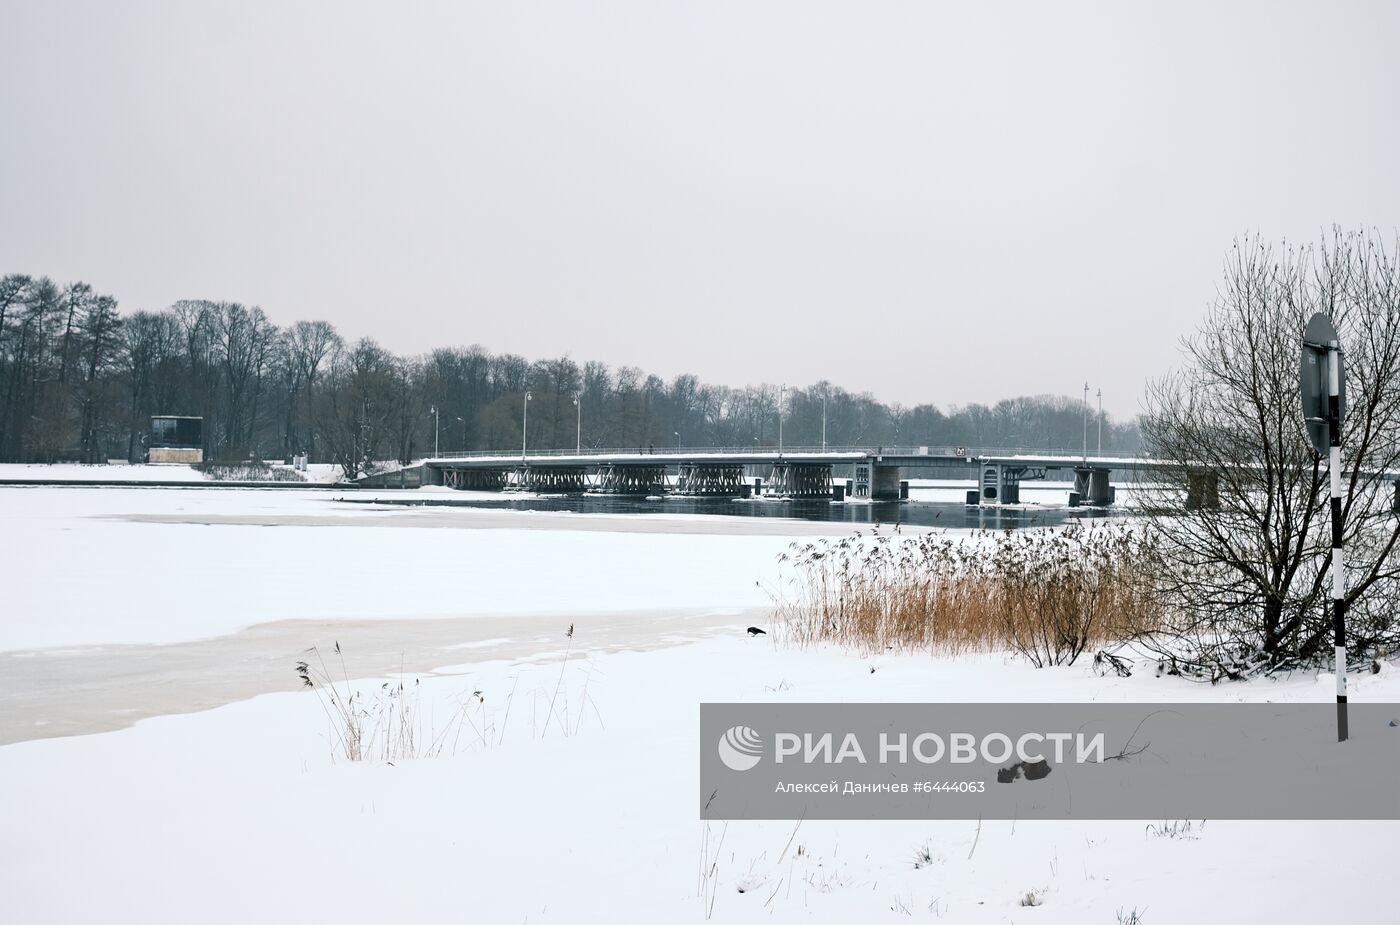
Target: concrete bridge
<point>797,473</point>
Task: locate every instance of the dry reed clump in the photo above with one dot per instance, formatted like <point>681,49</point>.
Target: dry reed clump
<point>383,724</point>
<point>382,727</point>
<point>1047,594</point>
<point>390,723</point>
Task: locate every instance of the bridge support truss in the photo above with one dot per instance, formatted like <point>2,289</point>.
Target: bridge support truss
<point>475,479</point>
<point>723,479</point>
<point>556,478</point>
<point>801,480</point>
<point>623,479</point>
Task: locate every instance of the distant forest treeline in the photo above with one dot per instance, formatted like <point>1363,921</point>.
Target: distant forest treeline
<point>79,382</point>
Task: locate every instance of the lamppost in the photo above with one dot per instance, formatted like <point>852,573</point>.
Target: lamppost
<point>362,447</point>
<point>436,429</point>
<point>578,423</point>
<point>782,390</point>
<point>677,435</point>
<point>1086,423</point>
<point>1099,393</point>
<point>524,424</point>
<point>823,420</point>
<point>464,435</point>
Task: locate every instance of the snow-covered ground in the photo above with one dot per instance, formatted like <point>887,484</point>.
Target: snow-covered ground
<point>562,780</point>
<point>240,813</point>
<point>325,473</point>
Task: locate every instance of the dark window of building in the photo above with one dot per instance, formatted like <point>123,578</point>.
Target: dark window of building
<point>177,432</point>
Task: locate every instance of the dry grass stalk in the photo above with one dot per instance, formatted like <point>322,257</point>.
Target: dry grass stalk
<point>383,726</point>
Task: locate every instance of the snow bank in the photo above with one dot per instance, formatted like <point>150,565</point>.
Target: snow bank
<point>93,577</point>
<point>76,472</point>
<point>241,814</point>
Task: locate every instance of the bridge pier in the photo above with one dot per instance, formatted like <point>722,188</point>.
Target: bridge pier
<point>1091,487</point>
<point>884,483</point>
<point>1001,484</point>
<point>800,480</point>
<point>1202,491</point>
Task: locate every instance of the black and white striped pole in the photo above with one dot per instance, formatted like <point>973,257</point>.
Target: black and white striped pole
<point>1324,392</point>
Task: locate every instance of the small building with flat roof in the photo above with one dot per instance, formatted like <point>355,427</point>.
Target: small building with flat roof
<point>175,438</point>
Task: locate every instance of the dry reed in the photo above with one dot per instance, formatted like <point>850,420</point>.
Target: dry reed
<point>1047,594</point>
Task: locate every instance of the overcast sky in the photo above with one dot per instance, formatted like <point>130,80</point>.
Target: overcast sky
<point>937,202</point>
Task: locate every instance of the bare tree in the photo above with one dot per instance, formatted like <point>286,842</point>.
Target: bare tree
<point>1240,517</point>
<point>150,342</point>
<point>100,328</point>
<point>309,344</point>
<point>360,406</point>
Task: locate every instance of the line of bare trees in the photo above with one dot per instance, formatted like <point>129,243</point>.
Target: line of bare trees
<point>78,381</point>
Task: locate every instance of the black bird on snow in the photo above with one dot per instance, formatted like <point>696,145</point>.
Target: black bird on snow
<point>755,631</point>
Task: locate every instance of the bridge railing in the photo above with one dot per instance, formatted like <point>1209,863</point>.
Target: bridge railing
<point>649,449</point>
<point>768,450</point>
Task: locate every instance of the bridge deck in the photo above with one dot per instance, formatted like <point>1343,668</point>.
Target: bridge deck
<point>766,457</point>
<point>661,457</point>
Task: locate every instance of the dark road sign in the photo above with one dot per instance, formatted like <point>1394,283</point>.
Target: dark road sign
<point>1313,378</point>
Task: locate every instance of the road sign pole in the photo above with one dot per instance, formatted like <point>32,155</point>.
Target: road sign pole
<point>1323,387</point>
<point>1339,579</point>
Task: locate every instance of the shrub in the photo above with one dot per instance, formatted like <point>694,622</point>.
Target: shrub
<point>250,471</point>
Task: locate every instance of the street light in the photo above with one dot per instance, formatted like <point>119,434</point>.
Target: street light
<point>436,430</point>
<point>1086,423</point>
<point>823,420</point>
<point>782,390</point>
<point>578,414</point>
<point>1099,393</point>
<point>524,424</point>
<point>677,435</point>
